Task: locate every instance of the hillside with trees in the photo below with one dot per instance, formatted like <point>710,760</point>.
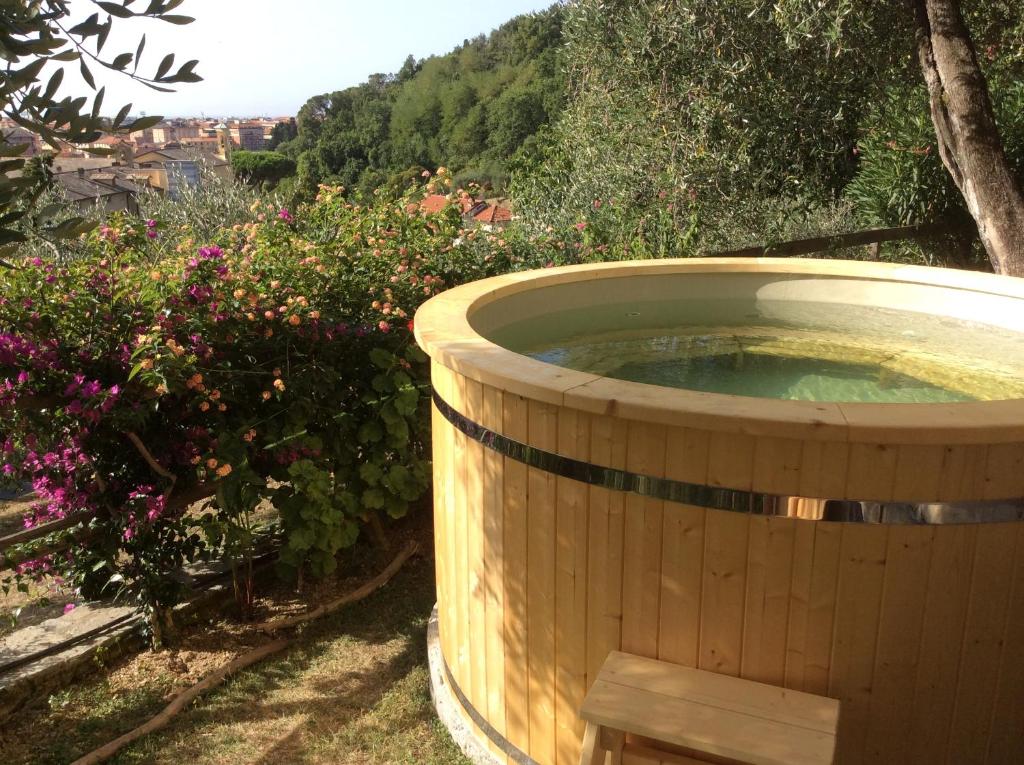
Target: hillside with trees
<point>695,126</point>
<point>474,110</point>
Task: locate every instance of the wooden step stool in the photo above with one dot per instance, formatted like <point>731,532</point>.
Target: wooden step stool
<point>704,714</point>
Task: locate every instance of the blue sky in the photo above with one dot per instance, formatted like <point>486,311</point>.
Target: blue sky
<point>267,57</point>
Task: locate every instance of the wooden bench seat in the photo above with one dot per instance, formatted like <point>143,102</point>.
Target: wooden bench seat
<point>704,714</point>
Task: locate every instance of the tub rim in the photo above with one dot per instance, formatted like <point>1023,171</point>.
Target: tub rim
<point>443,330</point>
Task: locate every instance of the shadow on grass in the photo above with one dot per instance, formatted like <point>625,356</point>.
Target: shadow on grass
<point>352,688</point>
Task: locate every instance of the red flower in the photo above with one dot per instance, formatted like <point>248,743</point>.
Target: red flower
<point>411,325</point>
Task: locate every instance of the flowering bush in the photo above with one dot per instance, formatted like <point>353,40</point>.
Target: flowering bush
<point>274,362</point>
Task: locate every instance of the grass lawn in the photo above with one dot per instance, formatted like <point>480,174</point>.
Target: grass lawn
<point>352,688</point>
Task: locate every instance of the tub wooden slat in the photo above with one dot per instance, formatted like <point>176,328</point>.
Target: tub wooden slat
<point>769,574</point>
<point>730,460</point>
<point>1004,471</point>
<point>945,614</point>
<point>823,469</point>
<point>571,589</point>
<point>918,472</point>
<point>540,584</point>
<point>682,573</point>
<point>450,616</point>
<point>463,631</point>
<point>687,455</point>
<point>473,407</point>
<point>441,477</point>
<point>641,572</point>
<point>899,632</point>
<point>828,538</point>
<point>1008,717</point>
<point>777,465</point>
<point>604,586</point>
<point>799,601</point>
<point>723,591</point>
<point>871,473</point>
<point>861,574</point>
<point>515,421</point>
<point>963,472</point>
<point>986,621</point>
<point>494,554</point>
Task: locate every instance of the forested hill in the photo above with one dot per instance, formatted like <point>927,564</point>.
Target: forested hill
<point>470,110</point>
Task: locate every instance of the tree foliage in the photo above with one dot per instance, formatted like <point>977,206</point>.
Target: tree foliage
<point>471,110</point>
<point>36,34</point>
<point>707,111</point>
<point>282,133</point>
<point>261,167</point>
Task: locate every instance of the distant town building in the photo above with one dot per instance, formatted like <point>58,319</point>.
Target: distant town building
<point>18,136</point>
<point>177,167</point>
<point>107,190</point>
<point>164,133</point>
<point>248,136</point>
<point>224,141</point>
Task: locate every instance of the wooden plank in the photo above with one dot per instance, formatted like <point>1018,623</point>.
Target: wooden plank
<point>1006,744</point>
<point>515,424</point>
<point>440,480</point>
<point>987,609</point>
<point>571,589</point>
<point>641,570</point>
<point>731,460</point>
<point>494,554</point>
<point>904,592</point>
<point>540,584</point>
<point>473,407</point>
<point>769,571</point>
<point>604,582</point>
<point>861,574</point>
<point>822,606</point>
<point>460,538</point>
<point>872,472</point>
<point>687,452</point>
<point>723,591</point>
<point>918,472</point>
<point>823,469</point>
<point>682,572</point>
<point>1004,471</point>
<point>729,694</point>
<point>963,472</point>
<point>777,465</point>
<point>944,617</point>
<point>637,754</point>
<point>799,600</point>
<point>444,381</point>
<point>746,738</point>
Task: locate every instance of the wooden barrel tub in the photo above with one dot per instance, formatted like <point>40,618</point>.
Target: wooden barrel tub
<point>577,514</point>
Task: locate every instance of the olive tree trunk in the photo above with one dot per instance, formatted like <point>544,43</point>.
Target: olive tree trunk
<point>969,142</point>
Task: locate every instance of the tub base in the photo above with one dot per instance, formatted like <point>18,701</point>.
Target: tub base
<point>449,709</point>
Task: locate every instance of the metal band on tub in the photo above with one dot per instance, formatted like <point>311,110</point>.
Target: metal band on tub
<point>720,498</point>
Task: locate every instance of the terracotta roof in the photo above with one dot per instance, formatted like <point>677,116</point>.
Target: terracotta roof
<point>467,203</point>
<point>494,214</point>
<point>434,203</point>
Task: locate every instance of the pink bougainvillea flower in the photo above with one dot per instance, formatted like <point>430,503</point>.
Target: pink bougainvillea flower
<point>69,608</point>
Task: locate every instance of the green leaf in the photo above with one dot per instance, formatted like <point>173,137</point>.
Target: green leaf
<point>87,75</point>
<point>121,61</point>
<point>382,358</point>
<point>115,10</point>
<point>144,122</point>
<point>164,66</point>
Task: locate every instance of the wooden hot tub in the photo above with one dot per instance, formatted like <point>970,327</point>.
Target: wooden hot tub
<point>576,514</point>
